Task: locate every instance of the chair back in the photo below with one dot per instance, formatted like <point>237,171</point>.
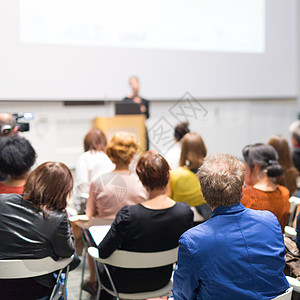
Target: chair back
<point>294,283</point>
<point>287,295</point>
<point>25,268</point>
<point>136,260</point>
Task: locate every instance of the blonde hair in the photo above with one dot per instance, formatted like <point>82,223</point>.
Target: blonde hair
<point>193,150</point>
<point>121,148</point>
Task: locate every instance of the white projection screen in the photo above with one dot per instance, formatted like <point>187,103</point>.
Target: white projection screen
<point>87,49</point>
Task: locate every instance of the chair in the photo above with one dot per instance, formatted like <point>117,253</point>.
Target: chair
<point>26,268</point>
<point>84,223</point>
<point>294,283</point>
<point>135,260</point>
<point>287,295</point>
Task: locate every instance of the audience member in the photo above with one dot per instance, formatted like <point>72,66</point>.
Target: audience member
<point>295,135</point>
<point>184,185</point>
<point>154,225</point>
<point>173,154</point>
<point>8,125</point>
<point>17,156</point>
<point>290,173</point>
<point>92,163</point>
<point>238,253</point>
<point>36,225</point>
<point>111,191</point>
<point>261,192</point>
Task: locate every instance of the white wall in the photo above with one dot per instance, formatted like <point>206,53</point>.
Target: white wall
<point>57,131</point>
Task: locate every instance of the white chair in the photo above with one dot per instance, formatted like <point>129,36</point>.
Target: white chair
<point>285,296</point>
<point>26,268</point>
<point>290,231</point>
<point>135,260</point>
<point>294,283</point>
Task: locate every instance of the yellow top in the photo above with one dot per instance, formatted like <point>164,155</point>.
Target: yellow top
<point>185,187</point>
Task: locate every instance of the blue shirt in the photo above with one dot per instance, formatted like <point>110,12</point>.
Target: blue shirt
<point>237,254</point>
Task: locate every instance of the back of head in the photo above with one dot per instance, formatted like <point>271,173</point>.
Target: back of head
<point>121,148</point>
<point>17,155</point>
<point>181,130</point>
<point>7,124</point>
<point>95,139</point>
<point>153,170</point>
<point>49,186</point>
<point>294,129</point>
<point>265,156</point>
<point>193,150</point>
<point>281,145</point>
<point>221,179</point>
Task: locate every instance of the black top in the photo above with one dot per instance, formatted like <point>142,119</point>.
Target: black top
<point>26,234</point>
<point>140,229</point>
<point>144,102</point>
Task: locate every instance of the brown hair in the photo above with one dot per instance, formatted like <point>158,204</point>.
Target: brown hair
<point>181,130</point>
<point>193,150</point>
<point>221,179</point>
<point>95,139</point>
<point>288,179</point>
<point>153,170</point>
<point>49,186</point>
<point>121,148</point>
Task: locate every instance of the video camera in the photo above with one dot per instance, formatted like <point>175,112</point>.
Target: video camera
<point>23,126</point>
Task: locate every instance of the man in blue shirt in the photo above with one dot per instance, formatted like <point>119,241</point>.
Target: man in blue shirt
<point>239,252</point>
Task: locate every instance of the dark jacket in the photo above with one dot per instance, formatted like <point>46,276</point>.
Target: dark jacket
<point>26,233</point>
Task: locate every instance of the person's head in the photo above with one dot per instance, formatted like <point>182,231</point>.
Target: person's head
<point>281,145</point>
<point>221,179</point>
<point>153,171</point>
<point>193,150</point>
<point>95,139</point>
<point>260,159</point>
<point>121,148</point>
<point>181,130</point>
<point>49,186</point>
<point>135,84</point>
<point>17,156</point>
<point>8,125</point>
<point>294,129</point>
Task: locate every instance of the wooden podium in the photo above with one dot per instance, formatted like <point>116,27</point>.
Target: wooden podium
<point>134,124</point>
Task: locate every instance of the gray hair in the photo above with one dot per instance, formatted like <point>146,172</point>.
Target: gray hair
<point>221,179</point>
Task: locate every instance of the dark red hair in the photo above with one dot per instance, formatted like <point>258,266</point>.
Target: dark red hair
<point>153,170</point>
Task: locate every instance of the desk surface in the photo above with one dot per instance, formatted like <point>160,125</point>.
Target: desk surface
<point>98,232</point>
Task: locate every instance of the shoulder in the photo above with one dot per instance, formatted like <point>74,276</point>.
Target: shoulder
<point>284,191</point>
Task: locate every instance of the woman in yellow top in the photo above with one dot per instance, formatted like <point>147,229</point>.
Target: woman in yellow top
<point>184,185</point>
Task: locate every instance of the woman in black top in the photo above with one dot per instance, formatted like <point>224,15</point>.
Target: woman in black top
<point>154,225</point>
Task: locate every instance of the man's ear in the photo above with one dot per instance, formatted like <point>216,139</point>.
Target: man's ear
<point>15,129</point>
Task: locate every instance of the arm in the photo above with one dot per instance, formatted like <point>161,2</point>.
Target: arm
<point>63,240</point>
<point>186,282</point>
<point>116,234</point>
<point>91,203</point>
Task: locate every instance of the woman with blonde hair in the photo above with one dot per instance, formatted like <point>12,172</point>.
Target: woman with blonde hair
<point>111,191</point>
<point>184,185</point>
<point>290,173</point>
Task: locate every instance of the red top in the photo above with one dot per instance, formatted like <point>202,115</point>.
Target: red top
<point>277,202</point>
<point>5,189</point>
